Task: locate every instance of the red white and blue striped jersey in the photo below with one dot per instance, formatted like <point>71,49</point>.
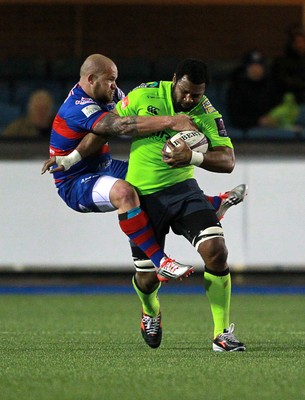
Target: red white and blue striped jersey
<point>75,119</point>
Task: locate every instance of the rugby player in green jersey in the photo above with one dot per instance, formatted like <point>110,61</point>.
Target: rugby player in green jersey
<point>171,196</point>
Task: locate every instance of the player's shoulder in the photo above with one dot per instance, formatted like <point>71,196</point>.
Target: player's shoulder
<point>78,102</point>
<point>150,87</point>
<point>77,98</point>
<point>150,90</point>
<point>206,106</point>
<point>143,89</point>
<point>144,94</point>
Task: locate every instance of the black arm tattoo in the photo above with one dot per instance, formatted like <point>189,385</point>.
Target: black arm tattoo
<point>114,125</point>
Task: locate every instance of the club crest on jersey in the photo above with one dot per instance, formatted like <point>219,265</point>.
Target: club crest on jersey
<point>153,110</point>
<point>91,109</point>
<point>207,106</point>
<point>125,102</point>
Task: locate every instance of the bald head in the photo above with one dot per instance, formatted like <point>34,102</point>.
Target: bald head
<point>96,64</point>
<point>98,76</point>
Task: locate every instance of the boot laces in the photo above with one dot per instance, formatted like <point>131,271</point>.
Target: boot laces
<point>151,324</point>
<point>169,265</point>
<point>228,334</point>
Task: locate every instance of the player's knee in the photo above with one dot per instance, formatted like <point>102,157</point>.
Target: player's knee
<point>122,193</point>
<point>211,246</point>
<point>124,190</point>
<point>214,256</point>
<point>219,254</point>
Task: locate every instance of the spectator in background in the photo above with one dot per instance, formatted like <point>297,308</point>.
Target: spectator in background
<point>251,92</point>
<point>37,122</point>
<point>284,115</point>
<point>289,70</point>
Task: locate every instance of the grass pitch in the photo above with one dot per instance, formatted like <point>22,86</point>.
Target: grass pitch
<point>90,347</point>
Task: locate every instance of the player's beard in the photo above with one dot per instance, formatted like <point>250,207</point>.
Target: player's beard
<point>105,98</point>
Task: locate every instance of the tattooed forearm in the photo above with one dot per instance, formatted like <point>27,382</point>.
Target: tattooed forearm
<point>114,125</point>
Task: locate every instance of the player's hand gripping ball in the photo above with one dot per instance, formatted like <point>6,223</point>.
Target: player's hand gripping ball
<point>197,141</point>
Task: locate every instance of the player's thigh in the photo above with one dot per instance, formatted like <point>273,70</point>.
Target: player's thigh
<point>118,169</point>
<point>204,231</point>
<point>108,191</point>
<point>89,193</point>
<point>111,186</point>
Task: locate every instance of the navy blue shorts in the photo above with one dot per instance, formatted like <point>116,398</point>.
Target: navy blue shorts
<point>78,194</point>
<point>182,208</point>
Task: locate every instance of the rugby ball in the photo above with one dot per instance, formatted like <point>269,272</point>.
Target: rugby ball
<point>196,140</point>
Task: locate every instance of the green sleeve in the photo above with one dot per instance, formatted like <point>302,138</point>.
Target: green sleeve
<point>128,105</point>
<point>210,122</point>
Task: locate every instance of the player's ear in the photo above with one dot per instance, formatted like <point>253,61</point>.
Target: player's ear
<point>91,78</point>
<point>174,78</point>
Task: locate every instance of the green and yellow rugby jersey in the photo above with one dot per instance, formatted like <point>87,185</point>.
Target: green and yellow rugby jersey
<point>146,171</point>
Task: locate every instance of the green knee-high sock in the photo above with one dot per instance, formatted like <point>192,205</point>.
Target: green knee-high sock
<point>150,301</point>
<point>218,290</point>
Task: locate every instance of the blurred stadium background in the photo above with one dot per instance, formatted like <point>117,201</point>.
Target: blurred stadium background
<point>42,45</point>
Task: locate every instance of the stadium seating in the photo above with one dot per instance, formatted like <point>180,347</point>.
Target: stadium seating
<point>220,70</point>
<point>23,68</point>
<point>22,89</point>
<point>20,77</point>
<point>274,134</point>
<point>301,117</point>
<point>137,69</point>
<point>235,133</point>
<point>164,68</point>
<point>301,134</point>
<point>8,113</point>
<point>5,91</point>
<point>63,69</point>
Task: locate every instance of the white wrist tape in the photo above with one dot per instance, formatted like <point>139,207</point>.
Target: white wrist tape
<point>197,158</point>
<point>68,161</point>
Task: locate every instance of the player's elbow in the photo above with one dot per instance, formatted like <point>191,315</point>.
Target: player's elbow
<point>229,165</point>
